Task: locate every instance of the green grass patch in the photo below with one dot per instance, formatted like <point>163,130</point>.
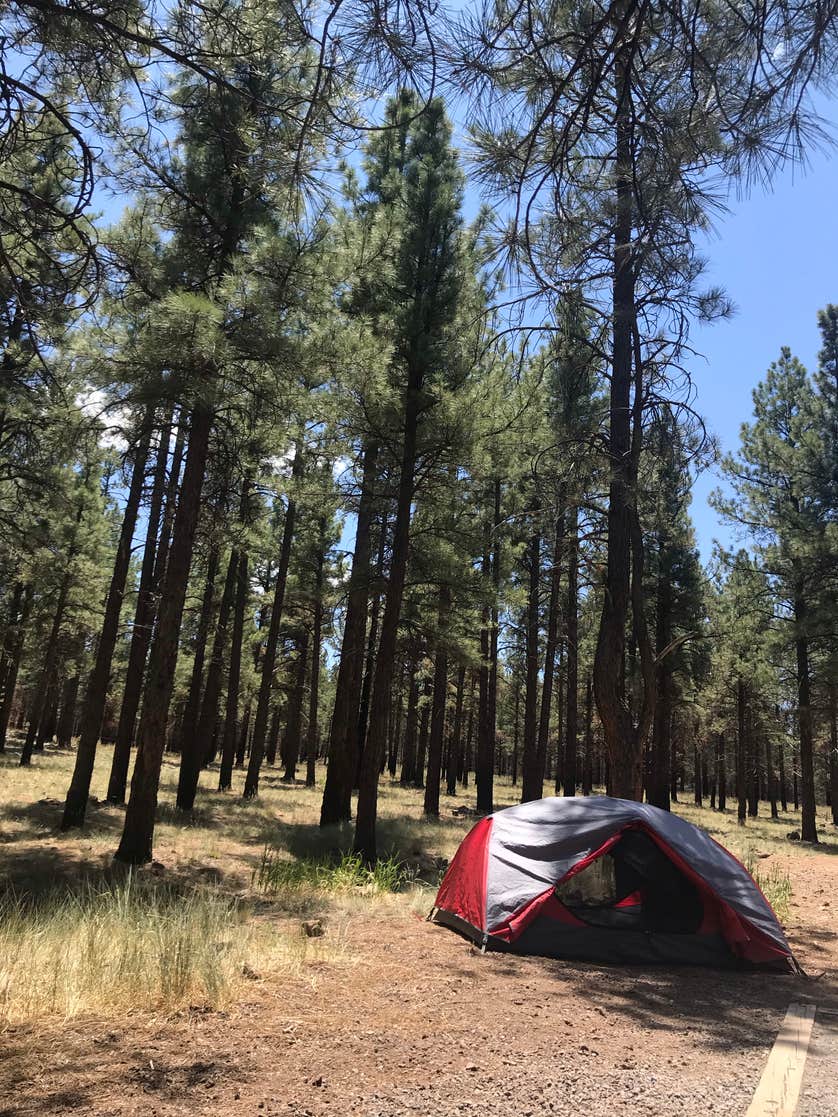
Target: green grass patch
<point>278,875</point>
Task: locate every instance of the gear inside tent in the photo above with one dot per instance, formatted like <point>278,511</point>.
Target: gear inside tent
<point>608,880</point>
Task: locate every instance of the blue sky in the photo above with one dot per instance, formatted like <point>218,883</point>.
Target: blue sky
<point>776,254</point>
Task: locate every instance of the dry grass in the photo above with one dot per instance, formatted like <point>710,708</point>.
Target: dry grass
<point>235,880</point>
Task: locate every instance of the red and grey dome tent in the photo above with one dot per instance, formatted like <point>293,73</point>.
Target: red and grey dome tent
<point>607,880</point>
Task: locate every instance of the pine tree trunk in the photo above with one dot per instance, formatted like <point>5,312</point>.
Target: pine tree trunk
<point>624,740</point>
<point>698,787</point>
<point>771,782</point>
<point>572,706</point>
<point>197,739</point>
<point>588,772</point>
<point>135,846</point>
<point>658,791</point>
<point>365,823</point>
<point>312,732</point>
<point>534,761</point>
<point>273,738</point>
<point>432,781</point>
<point>488,677</point>
<point>144,613</point>
<point>16,638</point>
<point>424,723</point>
<point>408,776</point>
<point>721,774</point>
<point>741,752</point>
<point>231,709</point>
<point>67,720</point>
<point>369,659</point>
<point>808,822</point>
<point>781,764</point>
<point>186,737</point>
<point>244,734</point>
<point>260,725</point>
<point>290,750</point>
<point>340,773</point>
<point>467,757</point>
<point>96,695</point>
<point>41,697</point>
<point>832,768</point>
<point>553,612</point>
<point>455,746</point>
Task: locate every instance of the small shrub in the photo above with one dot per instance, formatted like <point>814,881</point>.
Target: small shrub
<point>774,883</point>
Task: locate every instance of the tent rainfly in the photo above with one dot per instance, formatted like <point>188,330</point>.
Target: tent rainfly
<point>608,880</point>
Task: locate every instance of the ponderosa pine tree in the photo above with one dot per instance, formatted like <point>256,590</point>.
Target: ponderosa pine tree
<point>429,280</point>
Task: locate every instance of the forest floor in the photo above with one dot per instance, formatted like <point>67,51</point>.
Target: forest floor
<point>385,1014</point>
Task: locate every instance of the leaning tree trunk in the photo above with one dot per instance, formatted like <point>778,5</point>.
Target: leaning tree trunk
<point>260,724</point>
<point>808,821</point>
<point>93,709</point>
<point>231,710</point>
<point>534,762</point>
<point>340,774</point>
<point>135,847</point>
<point>144,612</point>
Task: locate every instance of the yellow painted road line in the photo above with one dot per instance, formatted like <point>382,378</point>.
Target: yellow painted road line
<point>779,1087</point>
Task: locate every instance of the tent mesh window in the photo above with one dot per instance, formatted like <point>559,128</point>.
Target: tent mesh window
<point>634,886</point>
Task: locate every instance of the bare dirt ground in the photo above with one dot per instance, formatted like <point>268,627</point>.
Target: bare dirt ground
<point>397,1017</point>
<point>419,1022</point>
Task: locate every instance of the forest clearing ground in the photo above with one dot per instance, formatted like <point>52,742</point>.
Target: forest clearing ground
<point>386,1014</point>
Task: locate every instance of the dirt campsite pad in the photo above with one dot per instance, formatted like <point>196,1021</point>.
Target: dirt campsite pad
<point>414,1020</point>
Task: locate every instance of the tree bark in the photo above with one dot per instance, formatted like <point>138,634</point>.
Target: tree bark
<point>808,821</point>
<point>365,823</point>
<point>231,709</point>
<point>340,773</point>
<point>553,612</point>
<point>624,739</point>
<point>16,638</point>
<point>534,761</point>
<point>721,774</point>
<point>572,706</point>
<point>833,754</point>
<point>312,736</point>
<point>144,613</point>
<point>48,669</point>
<point>408,776</point>
<point>96,695</point>
<point>260,724</point>
<point>135,846</point>
<point>67,720</point>
<point>290,749</point>
<point>455,745</point>
<point>741,752</point>
<point>433,778</point>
